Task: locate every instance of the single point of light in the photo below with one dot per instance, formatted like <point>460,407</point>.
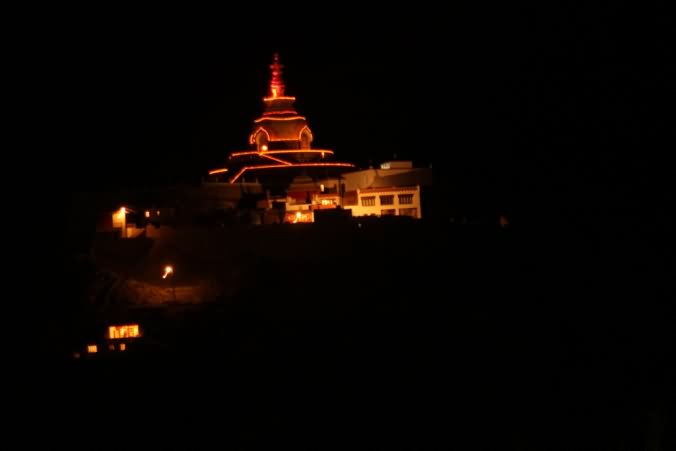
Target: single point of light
<point>298,215</point>
<point>147,214</point>
<point>123,346</point>
<point>123,210</point>
<point>92,349</point>
<point>264,148</point>
<point>167,270</point>
<point>321,187</point>
<point>158,212</point>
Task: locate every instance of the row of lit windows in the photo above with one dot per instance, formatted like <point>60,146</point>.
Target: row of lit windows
<point>402,212</point>
<point>370,201</point>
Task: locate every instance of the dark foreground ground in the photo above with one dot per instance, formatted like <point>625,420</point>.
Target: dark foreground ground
<point>416,336</point>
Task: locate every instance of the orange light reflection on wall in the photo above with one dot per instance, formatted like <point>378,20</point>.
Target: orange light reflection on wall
<point>308,131</point>
<point>272,113</point>
<point>305,165</point>
<point>292,118</point>
<point>270,99</point>
<point>298,217</point>
<point>268,152</point>
<point>125,331</point>
<point>252,137</point>
<point>276,159</point>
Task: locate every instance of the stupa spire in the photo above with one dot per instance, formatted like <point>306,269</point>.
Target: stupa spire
<point>276,82</point>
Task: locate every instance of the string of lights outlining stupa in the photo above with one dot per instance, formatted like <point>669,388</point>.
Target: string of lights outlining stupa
<point>281,137</point>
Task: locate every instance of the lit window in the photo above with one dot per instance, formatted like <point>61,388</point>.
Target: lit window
<point>147,214</point>
<point>413,212</point>
<point>406,198</point>
<point>387,200</point>
<point>368,201</point>
<point>388,212</point>
<point>123,346</point>
<point>111,347</point>
<point>92,349</point>
<point>128,331</point>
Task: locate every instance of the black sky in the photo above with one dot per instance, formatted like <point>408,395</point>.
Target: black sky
<point>550,106</point>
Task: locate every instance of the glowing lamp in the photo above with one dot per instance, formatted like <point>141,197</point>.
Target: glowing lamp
<point>167,270</point>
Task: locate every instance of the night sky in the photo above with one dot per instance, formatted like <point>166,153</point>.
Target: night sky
<point>553,109</point>
<point>557,116</point>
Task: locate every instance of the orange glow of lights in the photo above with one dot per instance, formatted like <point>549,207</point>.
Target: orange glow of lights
<point>298,217</point>
<point>123,211</point>
<point>219,171</point>
<point>276,159</point>
<point>264,148</point>
<point>125,331</point>
<point>158,212</point>
<point>167,270</point>
<point>76,355</point>
<point>123,347</point>
<point>252,137</point>
<point>92,349</point>
<point>276,83</point>
<point>253,152</point>
<point>270,99</point>
<point>303,165</point>
<point>147,214</point>
<point>308,131</point>
<point>292,118</point>
<point>272,113</point>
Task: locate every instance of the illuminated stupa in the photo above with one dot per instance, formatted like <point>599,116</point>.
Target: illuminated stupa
<point>281,140</point>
